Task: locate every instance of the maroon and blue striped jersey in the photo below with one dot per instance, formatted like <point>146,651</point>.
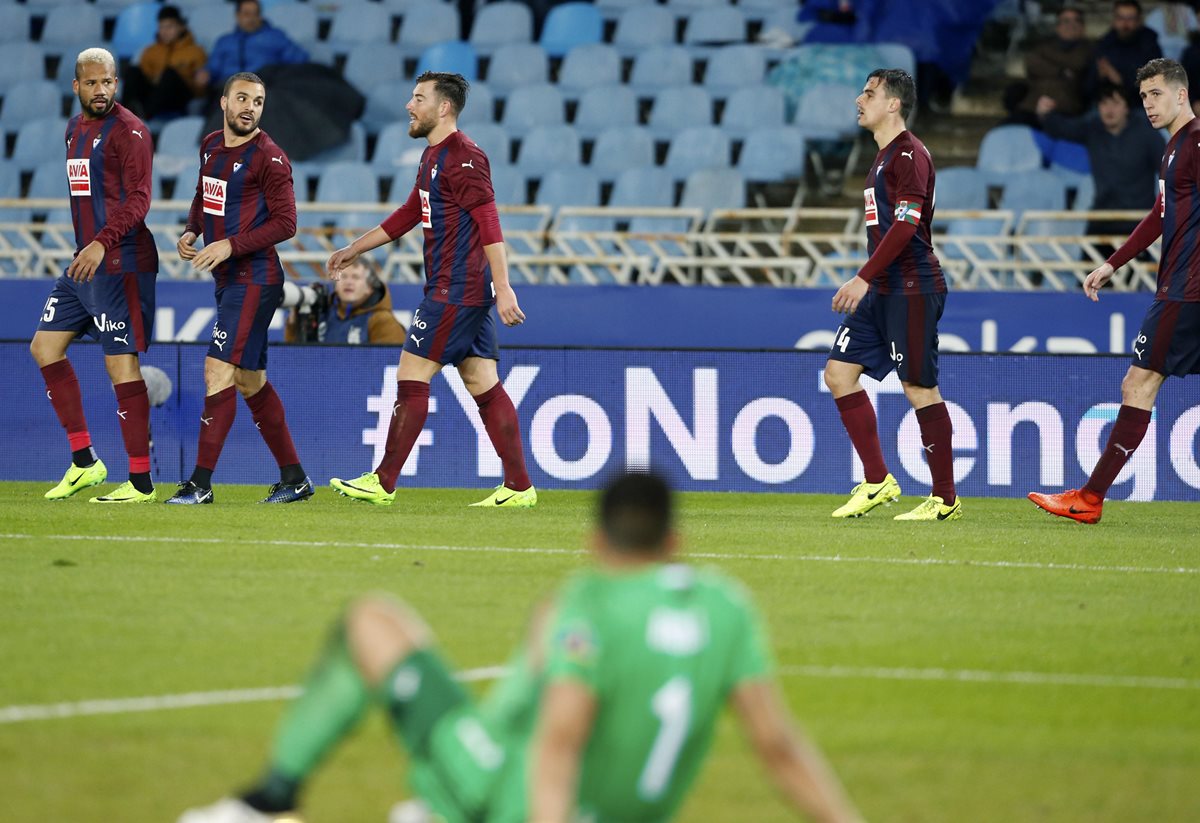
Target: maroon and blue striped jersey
<point>453,180</point>
<point>108,175</point>
<point>244,195</point>
<point>900,187</point>
<point>1179,207</point>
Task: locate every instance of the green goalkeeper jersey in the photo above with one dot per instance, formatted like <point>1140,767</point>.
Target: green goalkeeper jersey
<point>660,649</point>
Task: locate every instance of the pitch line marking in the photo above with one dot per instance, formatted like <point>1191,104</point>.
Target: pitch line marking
<point>228,697</point>
<point>803,558</point>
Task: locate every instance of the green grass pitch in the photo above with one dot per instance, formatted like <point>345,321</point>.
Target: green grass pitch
<point>1087,638</point>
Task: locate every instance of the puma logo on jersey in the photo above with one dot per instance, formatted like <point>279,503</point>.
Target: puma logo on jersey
<point>416,339</point>
<point>206,156</point>
<point>469,165</point>
<point>121,413</point>
<point>48,395</point>
<point>69,139</point>
<point>929,448</point>
<point>1139,353</point>
<point>907,154</point>
<point>138,133</point>
<point>206,420</point>
<point>220,344</point>
<point>278,159</point>
<point>1124,451</point>
<point>122,340</point>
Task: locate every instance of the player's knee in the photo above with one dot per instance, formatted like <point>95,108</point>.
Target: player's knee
<point>381,632</point>
<point>43,353</point>
<point>835,381</point>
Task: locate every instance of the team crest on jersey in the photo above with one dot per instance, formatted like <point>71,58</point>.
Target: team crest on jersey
<point>95,142</point>
<point>433,172</point>
<point>577,643</point>
<point>907,212</point>
<point>872,211</point>
<point>1162,197</point>
<point>237,167</point>
<point>426,213</point>
<point>214,195</point>
<point>79,176</point>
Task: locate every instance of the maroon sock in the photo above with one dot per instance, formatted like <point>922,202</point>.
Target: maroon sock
<point>408,418</point>
<point>215,423</point>
<point>133,410</point>
<point>937,435</point>
<point>500,419</point>
<point>62,387</point>
<point>858,416</point>
<point>267,410</point>
<point>1126,436</point>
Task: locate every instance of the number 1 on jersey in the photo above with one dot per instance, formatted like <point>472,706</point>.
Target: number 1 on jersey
<point>672,705</point>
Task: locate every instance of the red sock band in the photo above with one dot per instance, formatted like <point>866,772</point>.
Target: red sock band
<point>858,416</point>
<point>215,423</point>
<point>937,434</point>
<point>133,413</point>
<point>62,387</point>
<point>504,428</point>
<point>408,418</point>
<point>1126,436</point>
<point>267,410</point>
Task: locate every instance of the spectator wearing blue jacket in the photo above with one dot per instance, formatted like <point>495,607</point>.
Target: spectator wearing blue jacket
<point>253,44</point>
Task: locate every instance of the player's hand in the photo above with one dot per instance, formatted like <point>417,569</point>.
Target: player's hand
<point>213,255</point>
<point>84,266</point>
<point>1096,280</point>
<point>1108,71</point>
<point>339,260</point>
<point>850,295</point>
<point>186,245</point>
<point>506,305</point>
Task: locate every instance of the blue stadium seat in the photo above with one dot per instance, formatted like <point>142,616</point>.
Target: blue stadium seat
<point>136,28</point>
<point>10,189</point>
<point>679,107</point>
<point>495,142</point>
<point>641,27</point>
<point>509,185</point>
<point>762,10</point>
<point>365,23</point>
<point>961,187</point>
<point>384,106</point>
<point>699,147</point>
<point>620,148</point>
<point>897,56</point>
<point>1070,160</point>
<point>710,189</point>
<point>39,140</point>
<point>181,138</point>
<point>733,67</point>
<point>23,61</point>
<point>646,186</point>
<point>575,186</point>
<point>481,106</point>
<point>396,154</point>
<point>611,10</point>
<point>826,112</point>
<point>715,26</point>
<point>298,21</point>
<point>1036,189</point>
<point>772,155</point>
<point>373,64</point>
<point>517,64</point>
<point>208,22</point>
<point>342,182</point>
<point>570,25</point>
<point>456,56</point>
<point>498,24</point>
<point>1085,194</point>
<point>660,66</point>
<point>592,64</point>
<point>1008,150</point>
<point>548,147</point>
<point>353,150</point>
<point>601,107</point>
<point>752,108</point>
<point>71,24</point>
<point>426,24</point>
<point>29,100</point>
<point>530,106</point>
<point>14,23</point>
<point>48,180</point>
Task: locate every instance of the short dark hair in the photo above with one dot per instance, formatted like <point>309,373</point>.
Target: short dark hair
<point>899,84</point>
<point>636,513</point>
<point>1110,89</point>
<point>1078,12</point>
<point>171,13</point>
<point>1133,3</point>
<point>238,5</point>
<point>248,76</point>
<point>448,86</point>
<point>1170,70</point>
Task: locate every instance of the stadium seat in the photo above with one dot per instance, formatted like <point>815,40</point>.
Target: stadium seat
<point>772,155</point>
<point>897,56</point>
<point>646,186</point>
<point>569,187</point>
<point>658,67</point>
<point>734,67</point>
<point>548,147</point>
<point>961,188</point>
<point>642,27</point>
<point>178,146</point>
<point>570,25</point>
<point>620,148</point>
<point>374,64</point>
<point>509,185</point>
<point>298,20</point>
<point>611,10</point>
<point>699,147</point>
<point>208,22</point>
<point>678,107</point>
<point>752,108</point>
<point>602,107</point>
<point>530,106</point>
<point>481,106</point>
<point>1037,189</point>
<point>498,24</point>
<point>759,11</point>
<point>10,189</point>
<point>1085,194</point>
<point>1008,150</point>
<point>342,182</point>
<point>1069,160</point>
<point>384,106</point>
<point>715,26</point>
<point>457,56</point>
<point>495,142</point>
<point>14,23</point>
<point>586,66</point>
<point>397,155</point>
<point>39,140</point>
<point>23,61</point>
<point>70,24</point>
<point>710,189</point>
<point>426,24</point>
<point>826,112</point>
<point>353,150</point>
<point>48,181</point>
<point>29,100</point>
<point>365,23</point>
<point>136,28</point>
<point>517,64</point>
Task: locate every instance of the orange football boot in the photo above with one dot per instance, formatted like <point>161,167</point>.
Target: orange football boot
<point>1072,504</point>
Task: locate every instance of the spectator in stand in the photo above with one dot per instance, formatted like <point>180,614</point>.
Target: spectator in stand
<point>1126,47</point>
<point>253,44</point>
<point>166,77</point>
<point>1055,68</point>
<point>360,311</point>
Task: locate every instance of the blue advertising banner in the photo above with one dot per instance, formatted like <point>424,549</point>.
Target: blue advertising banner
<point>709,420</point>
<point>691,317</point>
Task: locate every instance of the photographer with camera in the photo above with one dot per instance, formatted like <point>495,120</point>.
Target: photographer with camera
<point>358,312</point>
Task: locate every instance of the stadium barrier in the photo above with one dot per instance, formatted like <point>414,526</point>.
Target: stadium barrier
<point>709,420</point>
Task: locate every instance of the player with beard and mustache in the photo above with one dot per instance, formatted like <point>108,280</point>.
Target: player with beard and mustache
<point>107,291</point>
<point>244,205</point>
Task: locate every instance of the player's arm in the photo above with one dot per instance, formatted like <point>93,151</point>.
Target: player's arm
<point>795,765</point>
<point>394,226</point>
<point>136,154</point>
<point>565,719</point>
<point>1139,240</point>
<point>488,221</point>
<point>280,225</point>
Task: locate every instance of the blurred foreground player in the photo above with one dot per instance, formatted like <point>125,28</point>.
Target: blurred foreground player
<point>107,291</point>
<point>466,271</point>
<point>606,713</point>
<point>1168,342</point>
<point>893,306</point>
<point>244,205</point>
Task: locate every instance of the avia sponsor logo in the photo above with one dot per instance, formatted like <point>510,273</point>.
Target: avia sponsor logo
<point>426,213</point>
<point>872,211</point>
<point>213,190</point>
<point>79,176</point>
<point>105,325</point>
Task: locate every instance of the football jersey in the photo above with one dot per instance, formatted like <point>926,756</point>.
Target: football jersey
<point>453,179</point>
<point>244,194</point>
<point>108,176</point>
<point>900,186</point>
<point>1179,207</point>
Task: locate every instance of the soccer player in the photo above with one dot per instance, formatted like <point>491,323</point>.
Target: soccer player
<point>465,272</point>
<point>244,205</point>
<point>893,306</point>
<point>1168,342</point>
<point>107,291</point>
<point>653,647</point>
